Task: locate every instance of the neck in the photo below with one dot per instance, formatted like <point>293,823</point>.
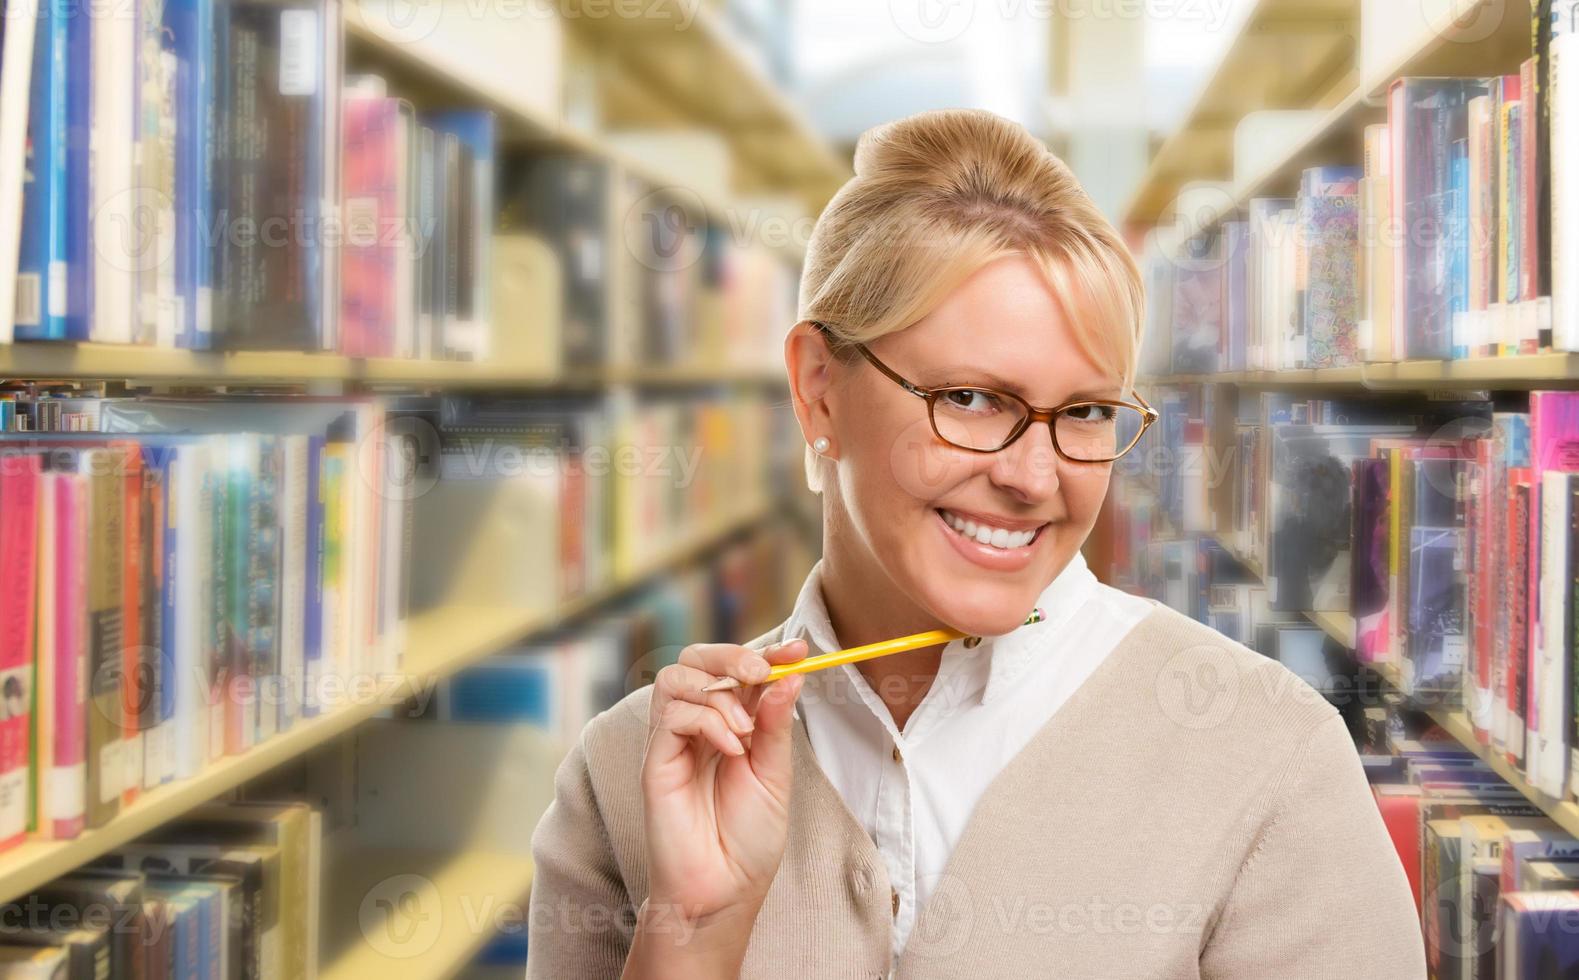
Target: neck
<point>864,606</point>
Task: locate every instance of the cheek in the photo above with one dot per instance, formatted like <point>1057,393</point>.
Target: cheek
<point>1083,491</point>
<point>895,456</point>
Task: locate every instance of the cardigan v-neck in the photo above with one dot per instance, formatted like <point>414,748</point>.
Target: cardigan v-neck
<point>1143,832</point>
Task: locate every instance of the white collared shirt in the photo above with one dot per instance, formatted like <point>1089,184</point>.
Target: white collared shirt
<point>914,790</point>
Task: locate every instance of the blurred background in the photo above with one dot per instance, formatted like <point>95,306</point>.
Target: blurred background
<point>397,384</point>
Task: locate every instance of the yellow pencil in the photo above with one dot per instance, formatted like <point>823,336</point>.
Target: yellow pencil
<point>882,648</point>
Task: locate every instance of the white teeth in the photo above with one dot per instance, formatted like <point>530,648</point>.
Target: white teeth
<point>982,533</point>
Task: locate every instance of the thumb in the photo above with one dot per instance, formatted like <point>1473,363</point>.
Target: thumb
<point>771,741</point>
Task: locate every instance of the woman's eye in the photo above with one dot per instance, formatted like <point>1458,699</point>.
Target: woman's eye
<point>971,400</point>
<point>1089,413</point>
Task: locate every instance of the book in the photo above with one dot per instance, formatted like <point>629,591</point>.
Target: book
<point>1426,116</point>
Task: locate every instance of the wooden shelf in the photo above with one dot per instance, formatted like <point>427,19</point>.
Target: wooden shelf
<point>1287,54</point>
<point>1338,625</point>
<point>439,643</point>
<point>50,360</point>
<point>447,904</point>
<point>1453,721</point>
<point>683,60</point>
<point>1552,369</point>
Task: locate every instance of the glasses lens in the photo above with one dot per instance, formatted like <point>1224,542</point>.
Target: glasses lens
<point>976,418</point>
<point>1095,433</point>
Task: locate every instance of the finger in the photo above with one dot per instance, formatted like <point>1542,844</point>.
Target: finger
<point>678,681</point>
<point>771,742</point>
<point>683,725</point>
<point>726,660</point>
<point>787,652</point>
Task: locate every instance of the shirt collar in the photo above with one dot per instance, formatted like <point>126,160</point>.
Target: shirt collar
<point>1004,658</point>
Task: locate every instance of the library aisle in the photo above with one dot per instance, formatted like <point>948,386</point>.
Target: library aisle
<point>389,387</point>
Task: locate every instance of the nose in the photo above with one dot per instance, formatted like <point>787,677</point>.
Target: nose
<point>1029,467</point>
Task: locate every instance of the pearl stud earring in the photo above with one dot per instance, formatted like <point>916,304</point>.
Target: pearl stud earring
<point>820,444</point>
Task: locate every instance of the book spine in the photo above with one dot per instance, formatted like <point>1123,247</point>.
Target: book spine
<point>131,603</point>
<point>106,765</point>
<point>79,176</point>
<point>19,481</point>
<point>68,780</point>
<point>1518,635</point>
<point>41,274</point>
<point>158,620</point>
<point>1531,219</point>
<point>313,639</point>
<point>1546,750</point>
<point>294,491</point>
<point>264,589</point>
<point>1564,217</point>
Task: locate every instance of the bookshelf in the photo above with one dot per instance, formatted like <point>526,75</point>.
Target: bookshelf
<point>439,643</point>
<point>471,891</point>
<point>49,360</point>
<point>698,76</point>
<point>762,119</point>
<point>1202,148</point>
<point>1555,369</point>
<point>701,74</point>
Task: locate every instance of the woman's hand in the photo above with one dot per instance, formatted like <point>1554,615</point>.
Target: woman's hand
<point>716,792</point>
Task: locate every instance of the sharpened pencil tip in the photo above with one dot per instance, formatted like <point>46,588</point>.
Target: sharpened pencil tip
<point>722,684</point>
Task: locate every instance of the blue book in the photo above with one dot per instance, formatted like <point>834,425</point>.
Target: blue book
<point>312,640</point>
<point>189,32</point>
<point>79,173</point>
<point>1458,255</point>
<point>41,268</point>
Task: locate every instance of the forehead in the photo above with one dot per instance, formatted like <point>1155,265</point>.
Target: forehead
<point>1003,324</point>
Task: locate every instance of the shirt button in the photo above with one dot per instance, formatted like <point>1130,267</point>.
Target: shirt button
<point>895,893</point>
<point>896,755</point>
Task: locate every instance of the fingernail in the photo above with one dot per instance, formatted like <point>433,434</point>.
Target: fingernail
<point>736,747</point>
<point>742,720</point>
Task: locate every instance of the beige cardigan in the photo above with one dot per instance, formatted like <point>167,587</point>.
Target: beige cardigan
<point>1194,810</point>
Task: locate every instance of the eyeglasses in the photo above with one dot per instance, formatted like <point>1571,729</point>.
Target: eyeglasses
<point>987,420</point>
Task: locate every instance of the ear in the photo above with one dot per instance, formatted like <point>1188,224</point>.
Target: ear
<point>809,364</point>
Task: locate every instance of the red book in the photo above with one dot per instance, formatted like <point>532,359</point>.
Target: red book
<point>1400,807</point>
<point>66,794</point>
<point>1520,496</point>
<point>19,481</point>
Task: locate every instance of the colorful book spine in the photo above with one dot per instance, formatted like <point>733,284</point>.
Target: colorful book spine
<point>41,275</point>
<point>1330,223</point>
<point>374,219</point>
<point>19,486</point>
<point>79,175</point>
<point>68,777</point>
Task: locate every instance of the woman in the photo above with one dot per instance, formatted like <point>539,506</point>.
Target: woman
<point>1115,791</point>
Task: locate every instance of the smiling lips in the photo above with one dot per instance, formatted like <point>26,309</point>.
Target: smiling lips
<point>991,534</point>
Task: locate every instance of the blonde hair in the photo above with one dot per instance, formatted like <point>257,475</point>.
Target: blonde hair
<point>938,195</point>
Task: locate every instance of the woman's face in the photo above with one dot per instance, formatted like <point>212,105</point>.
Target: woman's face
<point>903,490</point>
